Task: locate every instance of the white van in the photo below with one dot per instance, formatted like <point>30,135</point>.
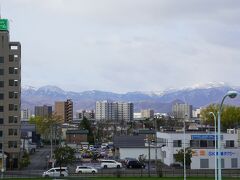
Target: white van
<point>110,164</point>
<point>56,172</point>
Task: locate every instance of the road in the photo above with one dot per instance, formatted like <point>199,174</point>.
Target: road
<point>38,159</point>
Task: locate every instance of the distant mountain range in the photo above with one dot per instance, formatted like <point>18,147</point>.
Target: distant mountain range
<point>198,96</point>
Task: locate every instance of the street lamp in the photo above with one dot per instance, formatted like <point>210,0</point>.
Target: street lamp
<point>184,148</point>
<point>215,144</point>
<point>231,94</point>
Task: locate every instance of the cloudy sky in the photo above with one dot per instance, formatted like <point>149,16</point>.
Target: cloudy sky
<point>126,45</point>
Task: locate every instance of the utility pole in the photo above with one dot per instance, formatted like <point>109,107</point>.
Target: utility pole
<point>149,156</point>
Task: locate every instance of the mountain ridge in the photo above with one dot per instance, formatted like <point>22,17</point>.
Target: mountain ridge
<point>161,101</point>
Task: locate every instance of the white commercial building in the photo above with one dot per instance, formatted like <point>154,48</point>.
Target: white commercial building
<point>202,145</point>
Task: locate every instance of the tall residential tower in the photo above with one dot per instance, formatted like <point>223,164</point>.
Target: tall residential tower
<point>10,94</point>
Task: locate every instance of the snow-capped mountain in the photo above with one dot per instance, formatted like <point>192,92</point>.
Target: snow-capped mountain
<point>197,95</point>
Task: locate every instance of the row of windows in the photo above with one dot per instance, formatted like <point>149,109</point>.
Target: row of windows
<point>11,144</point>
<point>11,58</point>
<point>11,119</point>
<point>11,107</point>
<point>204,163</point>
<point>202,143</point>
<point>11,132</point>
<point>11,95</point>
<point>11,82</point>
<point>11,70</point>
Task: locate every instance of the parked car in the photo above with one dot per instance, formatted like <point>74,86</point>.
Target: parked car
<point>176,165</point>
<point>135,164</point>
<point>110,164</point>
<point>125,160</point>
<point>85,169</point>
<point>56,172</point>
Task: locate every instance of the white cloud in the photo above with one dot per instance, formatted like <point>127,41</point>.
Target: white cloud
<point>126,45</point>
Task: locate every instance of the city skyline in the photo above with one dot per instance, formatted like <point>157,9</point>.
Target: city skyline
<point>125,46</point>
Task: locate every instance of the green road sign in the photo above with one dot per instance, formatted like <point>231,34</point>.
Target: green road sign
<point>3,25</point>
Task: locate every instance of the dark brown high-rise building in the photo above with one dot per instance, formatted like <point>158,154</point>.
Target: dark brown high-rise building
<point>10,94</point>
<point>64,110</point>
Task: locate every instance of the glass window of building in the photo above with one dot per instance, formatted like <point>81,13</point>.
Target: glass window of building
<point>1,96</point>
<point>230,143</point>
<point>1,71</point>
<point>203,143</point>
<point>223,163</point>
<point>204,163</point>
<point>234,162</point>
<point>1,83</point>
<point>177,143</point>
<point>1,59</point>
<point>11,58</point>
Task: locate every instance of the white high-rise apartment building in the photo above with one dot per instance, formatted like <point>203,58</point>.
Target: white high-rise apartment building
<point>114,111</point>
<point>25,113</point>
<point>182,111</point>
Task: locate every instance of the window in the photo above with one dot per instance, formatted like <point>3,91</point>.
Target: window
<point>229,143</point>
<point>12,144</point>
<point>13,70</point>
<point>11,82</point>
<point>211,144</point>
<point>1,108</point>
<point>1,59</point>
<point>222,163</point>
<point>1,71</point>
<point>13,95</point>
<point>13,107</point>
<point>204,163</point>
<point>12,119</point>
<point>0,145</point>
<point>1,122</point>
<point>11,58</point>
<point>12,132</point>
<point>1,96</point>
<point>1,133</point>
<point>234,162</point>
<point>194,143</point>
<point>10,107</point>
<point>177,143</point>
<point>203,143</point>
<point>1,83</point>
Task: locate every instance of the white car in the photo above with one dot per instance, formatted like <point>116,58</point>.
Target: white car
<point>85,169</point>
<point>56,172</point>
<point>110,164</point>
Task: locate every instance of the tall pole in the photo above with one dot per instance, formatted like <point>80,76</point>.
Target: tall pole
<point>231,94</point>
<point>149,157</point>
<point>51,145</point>
<point>156,145</point>
<point>184,150</point>
<point>219,147</point>
<point>215,144</point>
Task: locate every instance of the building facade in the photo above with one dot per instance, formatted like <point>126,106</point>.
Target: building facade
<point>114,111</point>
<point>43,111</point>
<point>10,94</point>
<point>25,114</point>
<point>182,111</point>
<point>64,110</point>
<point>90,115</point>
<point>147,113</point>
<point>202,145</point>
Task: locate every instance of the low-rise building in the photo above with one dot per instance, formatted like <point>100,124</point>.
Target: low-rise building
<point>202,145</point>
<point>76,136</point>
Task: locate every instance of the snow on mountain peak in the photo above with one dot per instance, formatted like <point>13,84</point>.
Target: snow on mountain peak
<point>50,88</point>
